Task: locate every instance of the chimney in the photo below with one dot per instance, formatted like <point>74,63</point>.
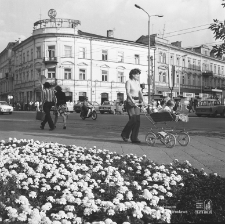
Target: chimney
<point>110,33</point>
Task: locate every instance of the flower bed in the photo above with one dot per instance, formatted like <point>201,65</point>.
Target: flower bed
<point>53,183</point>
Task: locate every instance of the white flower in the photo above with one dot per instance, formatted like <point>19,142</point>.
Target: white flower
<point>110,212</point>
<point>146,194</point>
<point>108,221</point>
<point>169,194</point>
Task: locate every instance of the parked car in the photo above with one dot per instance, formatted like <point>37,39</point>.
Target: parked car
<point>108,106</point>
<point>96,105</point>
<point>210,107</point>
<point>5,107</point>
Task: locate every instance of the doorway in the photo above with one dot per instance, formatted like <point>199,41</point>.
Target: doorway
<point>104,97</point>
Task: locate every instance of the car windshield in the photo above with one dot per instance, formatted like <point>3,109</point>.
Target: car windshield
<point>4,103</point>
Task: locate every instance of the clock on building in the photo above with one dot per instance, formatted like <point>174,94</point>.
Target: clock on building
<point>52,13</point>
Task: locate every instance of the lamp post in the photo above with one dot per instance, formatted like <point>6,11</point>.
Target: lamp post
<point>180,72</point>
<point>149,46</point>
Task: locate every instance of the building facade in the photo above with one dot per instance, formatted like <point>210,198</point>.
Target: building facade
<point>197,72</point>
<point>83,64</point>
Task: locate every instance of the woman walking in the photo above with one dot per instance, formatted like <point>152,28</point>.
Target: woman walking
<point>134,98</point>
<point>61,107</point>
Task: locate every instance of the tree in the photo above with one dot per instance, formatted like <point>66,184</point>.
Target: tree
<point>218,29</point>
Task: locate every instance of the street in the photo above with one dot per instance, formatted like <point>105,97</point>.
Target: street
<point>205,150</point>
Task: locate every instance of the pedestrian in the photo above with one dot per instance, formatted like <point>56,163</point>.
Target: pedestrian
<point>61,107</point>
<point>48,100</point>
<point>37,104</point>
<point>195,104</point>
<point>134,98</point>
<point>190,106</point>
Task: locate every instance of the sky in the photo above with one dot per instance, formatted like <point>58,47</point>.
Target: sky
<point>183,20</point>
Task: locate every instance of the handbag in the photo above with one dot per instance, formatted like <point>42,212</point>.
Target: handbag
<point>40,115</point>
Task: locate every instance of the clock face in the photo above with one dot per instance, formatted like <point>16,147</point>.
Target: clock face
<point>52,13</point>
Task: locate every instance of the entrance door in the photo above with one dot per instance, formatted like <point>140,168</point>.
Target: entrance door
<point>104,97</point>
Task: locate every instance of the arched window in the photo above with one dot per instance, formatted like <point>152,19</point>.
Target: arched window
<point>164,58</point>
<point>164,77</point>
<point>160,76</point>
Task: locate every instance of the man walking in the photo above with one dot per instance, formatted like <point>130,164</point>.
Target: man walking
<point>48,100</point>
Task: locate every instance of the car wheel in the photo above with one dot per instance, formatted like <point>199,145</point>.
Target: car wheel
<point>10,112</point>
<point>214,114</point>
<point>223,114</point>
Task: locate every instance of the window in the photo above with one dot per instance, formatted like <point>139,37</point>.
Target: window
<point>104,76</point>
<point>82,95</point>
<point>23,57</point>
<point>183,63</point>
<point>81,52</point>
<point>183,79</point>
<point>164,58</point>
<point>51,51</point>
<point>172,59</point>
<point>215,69</point>
<point>82,74</point>
<point>31,54</point>
<point>28,76</point>
<point>219,70</point>
<point>199,65</point>
<point>189,63</point>
<point>28,56</point>
<point>68,51</point>
<point>67,73</point>
<point>120,56</point>
<point>104,55</point>
<point>164,77</point>
<point>31,75</point>
<point>51,73</point>
<point>177,77</point>
<point>38,52</point>
<point>189,80</point>
<point>160,57</point>
<point>136,59</point>
<point>194,80</point>
<point>121,77</point>
<point>160,76</point>
<point>222,70</point>
<point>194,64</point>
<point>178,60</point>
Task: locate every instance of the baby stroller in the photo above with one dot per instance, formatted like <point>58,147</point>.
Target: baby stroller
<point>165,134</point>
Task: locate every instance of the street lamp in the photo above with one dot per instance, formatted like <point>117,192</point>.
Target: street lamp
<point>180,71</point>
<point>149,46</point>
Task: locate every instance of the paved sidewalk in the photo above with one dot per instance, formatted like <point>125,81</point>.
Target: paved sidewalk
<point>204,151</point>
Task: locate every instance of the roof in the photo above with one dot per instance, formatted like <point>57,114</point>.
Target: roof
<point>109,38</point>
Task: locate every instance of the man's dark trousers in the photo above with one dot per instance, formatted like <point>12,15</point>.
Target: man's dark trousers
<point>47,109</point>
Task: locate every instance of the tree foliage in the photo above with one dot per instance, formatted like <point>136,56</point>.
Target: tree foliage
<point>218,29</point>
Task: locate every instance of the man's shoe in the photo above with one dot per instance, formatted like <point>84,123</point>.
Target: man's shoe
<point>41,127</point>
<point>136,142</point>
<point>64,127</point>
<point>51,129</point>
<point>124,138</point>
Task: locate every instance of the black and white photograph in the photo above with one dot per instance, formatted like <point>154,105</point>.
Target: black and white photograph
<point>112,111</point>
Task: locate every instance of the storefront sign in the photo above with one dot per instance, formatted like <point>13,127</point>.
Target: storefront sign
<point>169,94</point>
<point>188,95</point>
<point>203,95</point>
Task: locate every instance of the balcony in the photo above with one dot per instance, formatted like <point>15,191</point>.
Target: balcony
<point>207,73</point>
<point>50,60</point>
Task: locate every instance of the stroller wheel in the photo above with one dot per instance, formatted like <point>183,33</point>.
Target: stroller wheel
<point>150,138</point>
<point>183,138</point>
<point>170,140</point>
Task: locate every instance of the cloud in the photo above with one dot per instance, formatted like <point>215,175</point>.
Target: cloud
<point>7,37</point>
<point>2,22</point>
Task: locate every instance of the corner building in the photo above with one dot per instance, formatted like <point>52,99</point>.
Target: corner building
<point>83,64</point>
